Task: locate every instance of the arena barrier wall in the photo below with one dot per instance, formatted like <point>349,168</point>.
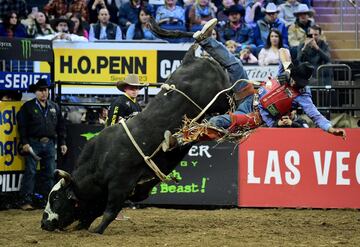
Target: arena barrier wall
<point>11,163</point>
<point>299,168</point>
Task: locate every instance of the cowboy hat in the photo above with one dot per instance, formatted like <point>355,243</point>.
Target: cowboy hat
<point>236,8</point>
<point>270,8</point>
<point>303,9</point>
<point>55,22</point>
<point>130,80</point>
<point>301,74</point>
<point>40,84</point>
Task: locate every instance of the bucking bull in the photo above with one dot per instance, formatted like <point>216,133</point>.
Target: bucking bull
<point>110,169</point>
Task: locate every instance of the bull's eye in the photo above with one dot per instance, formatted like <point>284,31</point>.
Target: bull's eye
<point>56,196</point>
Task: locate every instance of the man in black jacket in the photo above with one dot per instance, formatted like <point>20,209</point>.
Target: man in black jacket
<point>125,105</point>
<point>40,125</point>
<point>104,29</point>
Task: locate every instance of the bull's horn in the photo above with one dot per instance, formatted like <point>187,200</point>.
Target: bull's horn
<point>63,174</point>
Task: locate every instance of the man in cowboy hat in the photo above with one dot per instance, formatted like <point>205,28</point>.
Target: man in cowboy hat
<point>273,99</point>
<point>287,11</point>
<point>125,105</point>
<point>40,125</point>
<point>62,27</point>
<point>236,29</point>
<point>263,26</point>
<point>298,30</point>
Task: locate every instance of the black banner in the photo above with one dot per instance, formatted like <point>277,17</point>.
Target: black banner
<point>207,175</point>
<point>77,136</point>
<point>26,49</point>
<point>168,61</point>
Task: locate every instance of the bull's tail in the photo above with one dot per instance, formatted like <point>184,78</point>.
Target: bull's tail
<point>162,33</point>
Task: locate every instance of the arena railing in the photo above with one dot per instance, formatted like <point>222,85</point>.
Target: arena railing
<point>59,84</point>
<point>340,94</point>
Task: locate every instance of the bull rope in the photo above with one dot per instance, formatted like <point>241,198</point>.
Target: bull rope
<point>217,95</point>
<point>172,87</point>
<point>147,159</point>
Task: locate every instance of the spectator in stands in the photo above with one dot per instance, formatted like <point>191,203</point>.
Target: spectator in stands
<point>78,28</point>
<point>42,25</point>
<point>58,8</point>
<point>317,52</point>
<point>263,27</point>
<point>11,26</point>
<point>125,106</point>
<point>247,57</point>
<point>95,5</point>
<point>103,115</point>
<point>236,29</point>
<point>286,11</point>
<point>231,45</point>
<point>104,29</point>
<point>253,12</point>
<point>40,125</point>
<point>171,16</point>
<point>270,53</point>
<point>201,12</point>
<point>298,30</point>
<point>29,23</point>
<point>62,27</point>
<point>17,6</point>
<point>221,16</point>
<point>129,12</point>
<point>140,30</point>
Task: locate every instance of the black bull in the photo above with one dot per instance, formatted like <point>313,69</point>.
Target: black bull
<point>109,168</point>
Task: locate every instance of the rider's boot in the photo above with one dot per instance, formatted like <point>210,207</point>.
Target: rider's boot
<point>206,31</point>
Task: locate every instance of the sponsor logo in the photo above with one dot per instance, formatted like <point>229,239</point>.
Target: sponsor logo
<point>5,44</point>
<point>26,48</point>
<point>89,135</point>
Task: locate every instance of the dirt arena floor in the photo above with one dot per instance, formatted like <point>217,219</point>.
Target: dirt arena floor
<point>173,227</point>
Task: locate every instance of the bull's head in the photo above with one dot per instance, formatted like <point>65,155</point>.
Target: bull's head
<point>60,208</point>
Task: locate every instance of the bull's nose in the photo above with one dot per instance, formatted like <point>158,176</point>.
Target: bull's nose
<point>47,226</point>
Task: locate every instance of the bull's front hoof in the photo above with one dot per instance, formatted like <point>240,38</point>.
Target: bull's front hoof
<point>97,230</point>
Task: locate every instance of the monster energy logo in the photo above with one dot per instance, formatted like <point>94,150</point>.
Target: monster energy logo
<point>89,135</point>
<point>26,48</point>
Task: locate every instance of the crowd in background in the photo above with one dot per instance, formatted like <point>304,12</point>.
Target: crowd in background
<point>254,30</point>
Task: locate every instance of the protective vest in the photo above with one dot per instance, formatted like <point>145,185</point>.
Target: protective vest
<point>110,30</point>
<point>278,100</point>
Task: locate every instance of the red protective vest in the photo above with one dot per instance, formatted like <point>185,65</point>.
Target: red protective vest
<point>279,99</point>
